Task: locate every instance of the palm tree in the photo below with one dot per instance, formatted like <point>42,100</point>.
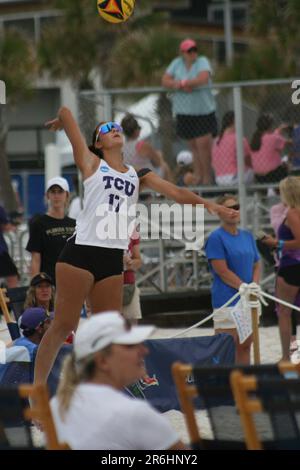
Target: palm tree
<point>18,70</point>
<point>78,43</point>
<point>275,47</point>
<point>131,53</point>
<point>140,60</point>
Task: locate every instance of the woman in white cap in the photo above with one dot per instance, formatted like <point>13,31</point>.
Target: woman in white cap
<point>185,171</point>
<point>91,263</point>
<point>194,105</point>
<point>91,410</point>
<point>49,232</point>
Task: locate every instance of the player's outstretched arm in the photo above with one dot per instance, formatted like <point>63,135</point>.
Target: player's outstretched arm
<point>182,195</point>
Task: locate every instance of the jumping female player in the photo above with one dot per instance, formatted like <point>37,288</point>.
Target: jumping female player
<point>91,264</point>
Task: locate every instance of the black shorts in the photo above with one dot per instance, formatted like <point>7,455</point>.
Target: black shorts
<point>291,274</point>
<point>273,176</point>
<point>100,262</point>
<point>7,266</point>
<point>189,127</point>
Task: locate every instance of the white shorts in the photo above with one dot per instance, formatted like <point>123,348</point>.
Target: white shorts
<point>133,311</point>
<point>223,319</point>
<point>229,179</point>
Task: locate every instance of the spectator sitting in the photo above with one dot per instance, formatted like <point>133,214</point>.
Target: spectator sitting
<point>184,172</point>
<point>224,154</point>
<point>108,356</point>
<point>266,146</point>
<point>41,292</point>
<point>34,323</point>
<point>140,153</point>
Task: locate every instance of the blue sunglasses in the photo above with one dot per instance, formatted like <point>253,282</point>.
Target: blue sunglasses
<point>108,127</point>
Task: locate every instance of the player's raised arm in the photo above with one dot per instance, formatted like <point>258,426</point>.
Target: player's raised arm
<point>85,160</point>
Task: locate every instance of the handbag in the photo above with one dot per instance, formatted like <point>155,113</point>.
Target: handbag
<point>128,293</point>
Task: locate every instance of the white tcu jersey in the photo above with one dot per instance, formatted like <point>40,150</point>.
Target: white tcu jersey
<point>108,215</point>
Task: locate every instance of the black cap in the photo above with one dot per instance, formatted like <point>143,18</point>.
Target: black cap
<point>41,277</point>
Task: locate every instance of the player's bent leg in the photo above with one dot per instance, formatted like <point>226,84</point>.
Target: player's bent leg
<point>73,286</point>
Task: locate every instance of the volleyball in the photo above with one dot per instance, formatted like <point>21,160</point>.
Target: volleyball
<point>115,11</point>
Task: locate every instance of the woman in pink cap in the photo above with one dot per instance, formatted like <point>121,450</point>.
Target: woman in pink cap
<point>194,105</point>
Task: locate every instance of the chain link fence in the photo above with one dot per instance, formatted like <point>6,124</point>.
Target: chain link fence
<point>258,115</point>
<point>255,144</point>
<point>235,166</point>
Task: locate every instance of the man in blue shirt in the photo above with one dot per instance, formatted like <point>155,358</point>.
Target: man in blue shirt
<point>34,323</point>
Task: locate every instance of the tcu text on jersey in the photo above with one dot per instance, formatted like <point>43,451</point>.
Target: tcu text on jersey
<point>119,184</point>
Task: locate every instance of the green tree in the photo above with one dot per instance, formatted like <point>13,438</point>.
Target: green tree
<point>80,41</point>
<point>140,59</point>
<point>133,53</point>
<point>18,69</point>
<point>274,50</point>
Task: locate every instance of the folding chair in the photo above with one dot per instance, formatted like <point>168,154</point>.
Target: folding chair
<point>209,388</point>
<point>16,297</point>
<point>11,325</point>
<point>276,397</point>
<point>16,416</point>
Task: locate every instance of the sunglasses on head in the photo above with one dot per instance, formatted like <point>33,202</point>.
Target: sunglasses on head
<point>108,127</point>
<point>235,207</point>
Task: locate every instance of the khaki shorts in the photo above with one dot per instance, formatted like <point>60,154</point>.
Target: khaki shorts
<point>222,319</point>
<point>133,311</point>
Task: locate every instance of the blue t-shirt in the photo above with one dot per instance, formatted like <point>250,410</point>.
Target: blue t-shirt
<point>200,100</point>
<point>3,221</point>
<point>32,347</point>
<point>240,253</point>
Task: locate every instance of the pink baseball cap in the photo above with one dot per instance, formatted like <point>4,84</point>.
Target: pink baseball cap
<point>187,44</point>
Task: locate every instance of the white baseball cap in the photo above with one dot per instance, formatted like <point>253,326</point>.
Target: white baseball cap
<point>58,181</point>
<point>184,158</point>
<point>103,329</point>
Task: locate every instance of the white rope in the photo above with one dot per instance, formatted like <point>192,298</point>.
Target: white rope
<point>245,290</point>
<point>279,301</point>
<point>248,290</point>
<point>206,318</point>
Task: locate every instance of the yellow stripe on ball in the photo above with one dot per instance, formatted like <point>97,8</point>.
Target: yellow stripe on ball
<point>115,11</point>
